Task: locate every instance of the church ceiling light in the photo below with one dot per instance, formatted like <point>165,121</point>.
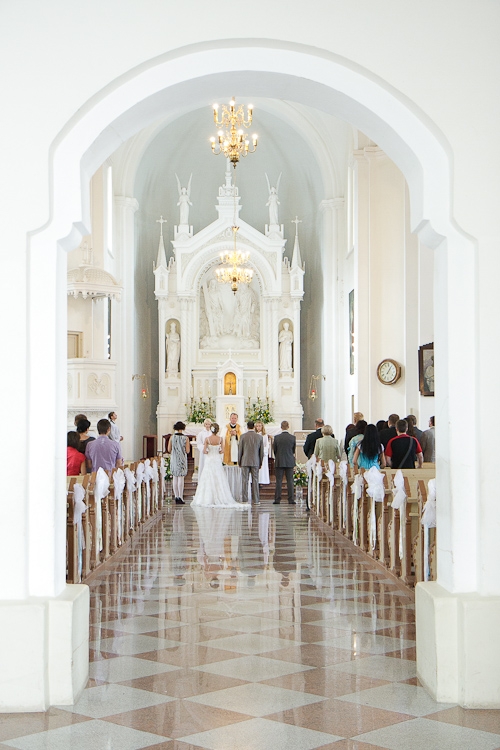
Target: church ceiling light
<point>232,272</point>
<point>231,140</point>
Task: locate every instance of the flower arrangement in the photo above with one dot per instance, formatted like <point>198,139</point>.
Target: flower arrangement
<point>168,470</point>
<point>259,412</point>
<point>300,475</point>
<point>198,411</point>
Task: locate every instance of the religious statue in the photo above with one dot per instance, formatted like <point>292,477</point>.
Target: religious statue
<point>215,310</point>
<point>285,339</point>
<point>184,202</point>
<point>273,201</point>
<point>244,310</point>
<point>173,344</point>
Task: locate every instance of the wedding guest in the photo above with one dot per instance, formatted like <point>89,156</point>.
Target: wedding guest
<point>312,437</point>
<point>356,417</point>
<point>359,431</point>
<point>369,451</point>
<point>200,444</point>
<point>264,469</point>
<point>178,447</point>
<point>390,432</point>
<point>343,446</point>
<point>381,425</point>
<point>412,427</point>
<point>78,418</point>
<point>103,452</point>
<point>403,450</point>
<point>115,430</point>
<point>82,429</point>
<point>75,461</point>
<point>284,462</point>
<point>428,442</point>
<point>327,447</point>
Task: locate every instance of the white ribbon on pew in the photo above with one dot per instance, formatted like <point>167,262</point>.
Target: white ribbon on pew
<point>375,489</point>
<point>79,509</point>
<point>357,491</point>
<point>119,482</point>
<point>131,486</point>
<point>319,475</point>
<point>101,490</point>
<point>331,478</point>
<point>310,477</point>
<point>343,476</point>
<point>155,479</point>
<point>139,476</point>
<point>429,522</point>
<point>399,503</point>
<point>148,476</point>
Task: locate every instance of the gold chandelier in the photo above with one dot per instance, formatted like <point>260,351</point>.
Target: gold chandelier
<point>232,273</point>
<point>232,142</point>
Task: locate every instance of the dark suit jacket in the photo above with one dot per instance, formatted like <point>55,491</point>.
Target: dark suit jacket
<point>311,442</point>
<point>250,449</point>
<point>284,450</point>
<point>386,435</point>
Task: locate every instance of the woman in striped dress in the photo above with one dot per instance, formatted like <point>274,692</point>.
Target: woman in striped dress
<point>178,447</point>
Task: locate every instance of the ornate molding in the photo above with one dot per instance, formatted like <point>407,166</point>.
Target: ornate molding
<point>91,281</point>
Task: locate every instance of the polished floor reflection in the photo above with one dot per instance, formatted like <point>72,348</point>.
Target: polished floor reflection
<point>236,630</point>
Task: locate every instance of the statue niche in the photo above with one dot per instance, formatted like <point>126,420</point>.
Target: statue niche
<point>172,347</point>
<point>229,384</point>
<point>227,320</point>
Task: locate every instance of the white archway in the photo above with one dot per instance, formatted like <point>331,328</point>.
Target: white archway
<point>295,73</point>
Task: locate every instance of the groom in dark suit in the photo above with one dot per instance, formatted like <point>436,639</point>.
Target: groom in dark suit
<point>250,455</point>
<point>284,461</point>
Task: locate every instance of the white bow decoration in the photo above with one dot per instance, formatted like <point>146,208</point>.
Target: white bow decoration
<point>310,473</point>
<point>331,478</point>
<point>79,509</point>
<point>375,489</point>
<point>140,478</point>
<point>357,491</point>
<point>343,476</point>
<point>101,490</point>
<point>131,486</point>
<point>429,522</point>
<point>399,503</point>
<point>119,482</point>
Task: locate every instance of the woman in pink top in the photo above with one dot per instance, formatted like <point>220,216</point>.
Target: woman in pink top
<point>74,457</point>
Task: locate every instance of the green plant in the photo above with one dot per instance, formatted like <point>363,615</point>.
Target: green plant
<point>198,411</point>
<point>168,470</point>
<point>300,475</point>
<point>259,412</point>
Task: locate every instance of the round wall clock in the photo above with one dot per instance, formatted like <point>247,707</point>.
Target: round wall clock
<point>388,372</point>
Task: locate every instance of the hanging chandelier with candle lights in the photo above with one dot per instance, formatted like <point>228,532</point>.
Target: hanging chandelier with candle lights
<point>232,272</point>
<point>231,140</point>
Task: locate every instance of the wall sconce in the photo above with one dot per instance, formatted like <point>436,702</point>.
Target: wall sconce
<point>144,382</point>
<point>313,391</point>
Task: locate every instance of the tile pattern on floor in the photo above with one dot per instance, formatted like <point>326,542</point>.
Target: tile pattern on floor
<point>249,631</point>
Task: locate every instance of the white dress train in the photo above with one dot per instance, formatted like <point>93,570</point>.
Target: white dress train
<point>213,488</point>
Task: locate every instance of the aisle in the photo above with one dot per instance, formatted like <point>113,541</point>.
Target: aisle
<point>250,631</point>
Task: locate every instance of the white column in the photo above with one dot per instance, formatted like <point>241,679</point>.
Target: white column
<point>362,395</point>
<point>124,324</point>
<point>296,352</point>
<point>331,344</point>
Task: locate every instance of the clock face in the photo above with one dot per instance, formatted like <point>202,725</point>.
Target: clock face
<point>388,371</point>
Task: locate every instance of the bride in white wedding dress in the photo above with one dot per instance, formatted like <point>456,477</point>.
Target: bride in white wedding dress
<point>213,488</point>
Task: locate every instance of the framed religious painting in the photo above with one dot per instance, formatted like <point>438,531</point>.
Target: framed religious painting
<point>426,369</point>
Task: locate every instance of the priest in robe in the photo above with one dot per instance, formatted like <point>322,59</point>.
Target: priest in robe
<point>231,438</point>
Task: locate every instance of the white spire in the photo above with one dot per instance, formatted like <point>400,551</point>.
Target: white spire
<point>296,259</point>
<point>161,258</point>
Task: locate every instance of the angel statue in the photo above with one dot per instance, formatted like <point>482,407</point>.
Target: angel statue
<point>273,201</point>
<point>184,202</point>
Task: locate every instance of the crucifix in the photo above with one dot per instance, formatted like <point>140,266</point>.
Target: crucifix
<point>161,221</point>
<point>296,221</point>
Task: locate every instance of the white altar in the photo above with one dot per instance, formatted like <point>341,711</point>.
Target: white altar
<point>229,348</point>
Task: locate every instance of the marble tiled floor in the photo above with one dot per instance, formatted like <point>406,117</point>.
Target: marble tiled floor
<point>250,631</point>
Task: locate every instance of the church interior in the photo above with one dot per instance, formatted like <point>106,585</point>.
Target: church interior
<point>367,210</point>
